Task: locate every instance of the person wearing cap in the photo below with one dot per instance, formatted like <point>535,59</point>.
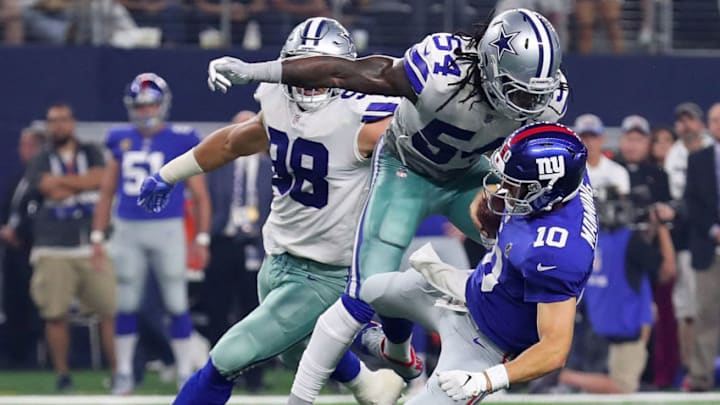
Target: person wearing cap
<point>690,128</point>
<point>649,192</point>
<point>603,172</point>
<point>701,197</point>
<point>619,287</point>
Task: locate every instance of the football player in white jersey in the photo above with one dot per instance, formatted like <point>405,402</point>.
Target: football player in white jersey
<point>319,141</point>
<point>462,95</point>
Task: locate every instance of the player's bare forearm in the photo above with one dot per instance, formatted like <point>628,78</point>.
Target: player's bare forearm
<point>228,143</point>
<point>101,216</point>
<point>198,189</point>
<point>371,75</point>
<point>555,328</point>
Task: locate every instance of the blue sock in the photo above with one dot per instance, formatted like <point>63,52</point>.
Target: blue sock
<point>181,326</point>
<point>347,369</point>
<point>205,387</point>
<point>397,330</point>
<point>358,309</point>
<point>125,324</point>
<point>419,339</point>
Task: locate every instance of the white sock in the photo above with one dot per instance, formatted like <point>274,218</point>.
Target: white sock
<point>334,332</point>
<point>358,380</point>
<point>182,350</point>
<point>398,351</point>
<point>125,352</point>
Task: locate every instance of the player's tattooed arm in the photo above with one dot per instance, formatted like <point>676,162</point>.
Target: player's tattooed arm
<point>555,323</point>
<point>370,75</point>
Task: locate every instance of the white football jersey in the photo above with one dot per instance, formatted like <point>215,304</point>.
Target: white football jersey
<point>320,180</point>
<point>443,142</point>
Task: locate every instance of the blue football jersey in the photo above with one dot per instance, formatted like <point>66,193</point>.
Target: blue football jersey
<point>541,259</point>
<point>141,156</point>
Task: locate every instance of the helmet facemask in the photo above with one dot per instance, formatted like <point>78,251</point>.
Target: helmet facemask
<point>520,196</point>
<point>317,36</point>
<point>514,98</point>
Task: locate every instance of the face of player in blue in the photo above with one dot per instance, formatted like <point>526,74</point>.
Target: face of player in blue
<point>146,117</point>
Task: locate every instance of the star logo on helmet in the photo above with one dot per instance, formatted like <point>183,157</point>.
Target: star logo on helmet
<point>503,43</point>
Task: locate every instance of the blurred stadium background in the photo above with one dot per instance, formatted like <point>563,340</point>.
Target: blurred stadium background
<point>85,52</point>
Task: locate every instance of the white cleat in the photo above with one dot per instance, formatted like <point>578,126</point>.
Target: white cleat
<point>381,387</point>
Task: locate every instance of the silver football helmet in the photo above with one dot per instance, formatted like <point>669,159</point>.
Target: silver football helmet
<point>312,37</point>
<point>519,61</point>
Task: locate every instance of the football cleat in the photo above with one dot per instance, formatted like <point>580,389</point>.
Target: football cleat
<point>381,387</point>
<point>373,340</point>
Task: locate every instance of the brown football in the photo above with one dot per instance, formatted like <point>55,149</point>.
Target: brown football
<point>486,220</point>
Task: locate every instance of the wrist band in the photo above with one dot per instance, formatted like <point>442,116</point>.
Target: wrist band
<point>266,71</point>
<point>498,377</point>
<point>202,239</point>
<point>181,168</point>
<point>97,236</point>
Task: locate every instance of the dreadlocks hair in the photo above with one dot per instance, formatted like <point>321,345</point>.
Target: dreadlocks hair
<point>472,77</point>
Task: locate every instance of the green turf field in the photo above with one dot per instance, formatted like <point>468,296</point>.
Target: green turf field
<point>37,388</point>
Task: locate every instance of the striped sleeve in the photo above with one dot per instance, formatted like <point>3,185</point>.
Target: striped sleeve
<point>377,111</point>
<point>416,68</point>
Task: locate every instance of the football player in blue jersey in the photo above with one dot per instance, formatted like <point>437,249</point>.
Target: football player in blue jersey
<point>141,239</point>
<point>511,319</point>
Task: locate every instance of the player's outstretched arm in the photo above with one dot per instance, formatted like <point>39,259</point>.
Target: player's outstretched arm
<point>219,148</point>
<point>371,75</point>
<point>555,323</point>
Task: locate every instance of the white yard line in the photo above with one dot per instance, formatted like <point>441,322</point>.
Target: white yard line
<point>649,398</point>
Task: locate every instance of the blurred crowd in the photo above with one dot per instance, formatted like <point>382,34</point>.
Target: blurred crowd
<point>605,26</point>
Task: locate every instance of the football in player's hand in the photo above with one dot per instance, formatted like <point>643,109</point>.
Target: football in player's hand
<point>485,219</point>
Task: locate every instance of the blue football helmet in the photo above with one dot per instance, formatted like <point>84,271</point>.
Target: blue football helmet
<point>147,89</point>
<point>539,165</point>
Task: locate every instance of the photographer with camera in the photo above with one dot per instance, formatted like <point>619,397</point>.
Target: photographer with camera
<point>618,298</point>
<point>650,193</point>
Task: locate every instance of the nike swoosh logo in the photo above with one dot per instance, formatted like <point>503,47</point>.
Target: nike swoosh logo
<point>540,267</point>
<point>476,340</point>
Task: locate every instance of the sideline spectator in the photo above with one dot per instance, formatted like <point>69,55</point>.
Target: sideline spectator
<point>701,196</point>
<point>47,21</point>
<point>95,22</point>
<point>11,22</point>
<point>650,195</point>
<point>662,140</point>
<point>586,13</point>
<point>167,15</point>
<point>21,322</point>
<point>68,174</point>
<point>690,128</point>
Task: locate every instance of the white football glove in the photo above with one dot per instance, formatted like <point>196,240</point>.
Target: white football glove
<point>462,385</point>
<point>226,71</point>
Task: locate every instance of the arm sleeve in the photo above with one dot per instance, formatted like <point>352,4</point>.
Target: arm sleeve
<point>415,63</point>
<point>378,108</point>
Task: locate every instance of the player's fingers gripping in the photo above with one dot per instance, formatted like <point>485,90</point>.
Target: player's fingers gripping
<point>452,382</point>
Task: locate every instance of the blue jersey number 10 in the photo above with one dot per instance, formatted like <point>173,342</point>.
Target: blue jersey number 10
<point>309,164</point>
